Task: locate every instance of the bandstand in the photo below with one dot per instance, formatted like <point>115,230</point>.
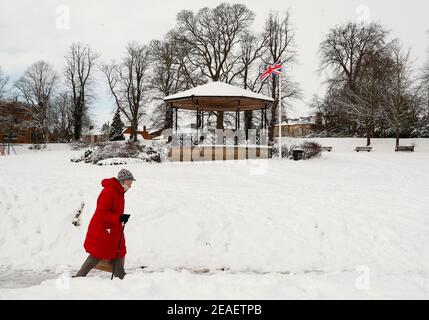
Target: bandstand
<point>217,97</point>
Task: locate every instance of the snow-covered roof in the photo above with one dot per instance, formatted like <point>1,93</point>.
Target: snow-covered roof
<point>218,89</point>
<point>93,132</point>
<point>154,130</point>
<point>299,121</point>
<point>302,120</point>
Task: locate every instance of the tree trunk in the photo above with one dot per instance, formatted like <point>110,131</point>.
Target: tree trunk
<point>44,135</point>
<point>219,120</point>
<point>273,111</point>
<point>248,117</point>
<point>168,117</point>
<point>397,137</point>
<point>354,129</point>
<point>77,128</point>
<point>134,127</point>
<point>368,136</point>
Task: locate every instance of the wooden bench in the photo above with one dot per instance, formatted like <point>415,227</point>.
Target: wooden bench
<point>367,149</point>
<point>329,149</point>
<point>404,148</point>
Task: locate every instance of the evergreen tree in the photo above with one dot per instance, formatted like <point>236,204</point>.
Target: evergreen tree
<point>116,128</point>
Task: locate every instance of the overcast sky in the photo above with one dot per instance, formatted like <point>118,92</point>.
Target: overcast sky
<point>29,31</point>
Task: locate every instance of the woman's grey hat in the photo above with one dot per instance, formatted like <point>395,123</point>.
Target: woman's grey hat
<point>125,174</point>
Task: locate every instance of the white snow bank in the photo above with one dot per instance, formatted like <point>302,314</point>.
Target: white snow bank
<point>185,285</point>
<point>331,214</point>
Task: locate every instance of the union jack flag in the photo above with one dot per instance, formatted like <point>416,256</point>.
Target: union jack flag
<point>272,70</point>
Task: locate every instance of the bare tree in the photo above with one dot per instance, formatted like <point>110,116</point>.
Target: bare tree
<point>252,49</point>
<point>367,103</point>
<point>213,35</point>
<point>344,53</point>
<point>37,87</point>
<point>171,72</point>
<point>3,82</point>
<point>165,80</point>
<point>189,71</point>
<point>344,50</point>
<point>320,106</point>
<point>402,100</point>
<point>128,83</point>
<point>80,62</point>
<point>337,120</point>
<point>421,98</point>
<point>425,82</point>
<point>280,42</point>
<point>62,116</point>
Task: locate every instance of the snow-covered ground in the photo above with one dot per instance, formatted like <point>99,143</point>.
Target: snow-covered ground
<point>346,225</point>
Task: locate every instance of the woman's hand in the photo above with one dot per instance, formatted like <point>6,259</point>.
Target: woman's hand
<point>124,218</point>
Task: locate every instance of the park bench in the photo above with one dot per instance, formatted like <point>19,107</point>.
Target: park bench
<point>329,149</point>
<point>367,149</point>
<point>405,148</point>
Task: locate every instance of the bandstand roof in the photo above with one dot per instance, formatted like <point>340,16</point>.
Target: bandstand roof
<point>219,96</point>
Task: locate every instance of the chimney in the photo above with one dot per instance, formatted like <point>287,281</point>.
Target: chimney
<point>284,118</point>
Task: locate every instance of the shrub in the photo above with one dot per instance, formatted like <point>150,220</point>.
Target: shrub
<point>311,149</point>
<point>286,150</point>
<point>98,153</point>
<point>80,145</point>
<point>37,146</point>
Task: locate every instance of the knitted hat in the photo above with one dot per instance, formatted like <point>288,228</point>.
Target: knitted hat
<point>125,174</point>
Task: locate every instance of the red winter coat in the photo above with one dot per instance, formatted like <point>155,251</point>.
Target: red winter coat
<point>104,230</point>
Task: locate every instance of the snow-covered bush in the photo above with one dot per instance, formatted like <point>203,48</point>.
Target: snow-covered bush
<point>311,149</point>
<point>286,150</point>
<point>118,153</point>
<point>421,129</point>
<point>37,146</point>
<point>80,145</point>
<point>151,153</point>
<point>327,134</point>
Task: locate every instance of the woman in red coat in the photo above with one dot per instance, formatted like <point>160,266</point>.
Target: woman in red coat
<point>104,230</point>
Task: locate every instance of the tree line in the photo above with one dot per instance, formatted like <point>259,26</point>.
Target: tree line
<point>372,88</point>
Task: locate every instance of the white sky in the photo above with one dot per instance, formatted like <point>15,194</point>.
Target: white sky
<point>28,31</point>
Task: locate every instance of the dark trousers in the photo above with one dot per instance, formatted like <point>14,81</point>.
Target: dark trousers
<point>91,262</point>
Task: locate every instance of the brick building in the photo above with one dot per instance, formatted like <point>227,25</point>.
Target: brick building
<point>300,127</point>
<point>12,115</point>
